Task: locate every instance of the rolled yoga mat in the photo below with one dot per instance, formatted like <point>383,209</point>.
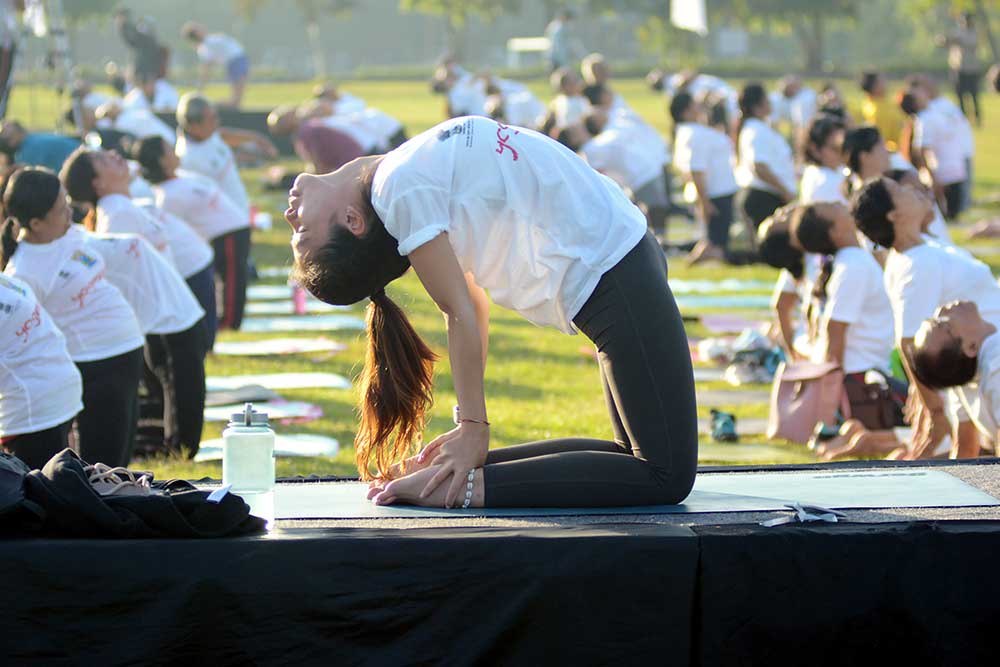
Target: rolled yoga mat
<point>297,323</point>
<point>278,381</point>
<point>293,445</point>
<point>275,410</point>
<point>277,346</point>
<point>288,308</point>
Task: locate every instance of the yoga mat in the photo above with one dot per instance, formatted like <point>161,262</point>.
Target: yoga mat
<point>294,445</point>
<point>739,492</point>
<point>276,411</point>
<point>722,323</point>
<point>716,397</point>
<point>746,301</point>
<point>288,308</point>
<point>295,323</point>
<point>254,393</point>
<point>678,286</point>
<point>269,292</point>
<point>274,271</point>
<point>278,381</point>
<point>276,346</point>
<point>701,374</point>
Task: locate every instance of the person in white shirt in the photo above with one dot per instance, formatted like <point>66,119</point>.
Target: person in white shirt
<point>102,335</point>
<point>855,325</point>
<point>700,86</point>
<point>823,177</point>
<point>766,165</point>
<point>219,50</point>
<point>867,157</point>
<point>597,77</point>
<point>473,205</point>
<point>102,181</point>
<point>791,298</point>
<point>794,104</point>
<point>920,276</point>
<point>343,102</point>
<point>40,387</point>
<point>706,158</point>
<point>938,144</point>
<point>630,152</point>
<point>171,320</point>
<point>200,203</point>
<point>137,122</point>
<point>958,349</point>
<point>569,106</point>
<point>153,94</point>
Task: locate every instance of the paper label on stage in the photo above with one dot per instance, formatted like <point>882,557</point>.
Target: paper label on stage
<point>737,492</point>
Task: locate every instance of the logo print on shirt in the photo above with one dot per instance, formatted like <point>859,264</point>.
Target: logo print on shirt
<point>133,248</point>
<point>34,321</point>
<point>81,296</point>
<point>503,136</point>
<point>83,258</point>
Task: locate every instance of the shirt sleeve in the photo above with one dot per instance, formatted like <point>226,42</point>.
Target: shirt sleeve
<point>417,217</point>
<point>760,148</point>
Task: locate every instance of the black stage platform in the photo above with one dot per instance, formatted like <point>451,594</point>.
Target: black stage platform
<point>890,586</point>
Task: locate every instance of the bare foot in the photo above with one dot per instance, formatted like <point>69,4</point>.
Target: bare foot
<point>406,490</point>
<point>869,443</point>
<point>847,430</point>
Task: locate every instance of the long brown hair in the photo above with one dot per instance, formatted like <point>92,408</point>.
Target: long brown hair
<point>396,385</point>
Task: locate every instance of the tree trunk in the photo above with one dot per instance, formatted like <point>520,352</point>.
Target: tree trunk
<point>811,37</point>
<point>455,37</point>
<point>984,20</point>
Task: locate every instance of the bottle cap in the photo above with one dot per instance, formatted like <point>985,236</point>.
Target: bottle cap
<point>249,417</point>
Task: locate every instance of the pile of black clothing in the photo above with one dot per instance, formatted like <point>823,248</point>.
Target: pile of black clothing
<point>60,500</point>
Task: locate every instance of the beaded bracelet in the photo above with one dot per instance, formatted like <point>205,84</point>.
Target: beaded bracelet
<point>468,489</point>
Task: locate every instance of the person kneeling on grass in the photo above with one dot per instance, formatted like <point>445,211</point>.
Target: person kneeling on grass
<point>474,205</point>
<point>959,350</point>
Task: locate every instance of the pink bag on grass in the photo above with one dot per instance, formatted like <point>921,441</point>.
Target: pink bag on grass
<point>803,394</point>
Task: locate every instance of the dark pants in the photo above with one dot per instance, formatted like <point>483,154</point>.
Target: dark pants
<point>954,200</point>
<point>177,361</point>
<point>758,205</point>
<point>231,252</point>
<point>202,285</point>
<point>37,448</point>
<point>719,224</point>
<point>967,84</point>
<point>633,320</point>
<point>106,427</point>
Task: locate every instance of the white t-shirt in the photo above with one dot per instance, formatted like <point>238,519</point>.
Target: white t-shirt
<point>981,397</point>
<point>759,142</point>
<point>927,276</point>
<point>376,124</point>
<point>161,300</point>
<point>467,96</point>
<point>117,214</point>
<point>141,123</point>
<point>526,216</point>
<point>954,114</point>
<point>938,229</point>
<point>69,281</point>
<point>347,103</point>
<point>200,203</point>
<point>364,137</point>
<point>40,386</point>
<point>523,109</point>
<point>630,153</point>
<point>938,132</point>
<point>219,49</point>
<point>192,253</point>
<point>705,149</point>
<point>798,110</point>
<point>165,98</point>
<point>856,297</point>
<point>214,159</point>
<point>569,110</point>
<point>821,184</point>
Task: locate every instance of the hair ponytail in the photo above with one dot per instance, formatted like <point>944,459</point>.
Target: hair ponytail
<point>8,242</point>
<point>396,388</point>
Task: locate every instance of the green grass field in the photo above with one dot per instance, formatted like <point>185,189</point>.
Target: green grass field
<point>539,383</point>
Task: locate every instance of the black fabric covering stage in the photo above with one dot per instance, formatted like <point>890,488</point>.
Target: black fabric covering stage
<point>343,597</point>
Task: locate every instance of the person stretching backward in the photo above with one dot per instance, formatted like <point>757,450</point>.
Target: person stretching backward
<point>102,334</point>
<point>920,276</point>
<point>473,205</point>
<point>823,177</point>
<point>40,388</point>
<point>766,163</point>
<point>958,349</point>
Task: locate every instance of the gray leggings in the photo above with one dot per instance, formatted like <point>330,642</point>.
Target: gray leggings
<point>645,364</point>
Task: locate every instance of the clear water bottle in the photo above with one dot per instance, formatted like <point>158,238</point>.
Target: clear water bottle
<point>248,461</point>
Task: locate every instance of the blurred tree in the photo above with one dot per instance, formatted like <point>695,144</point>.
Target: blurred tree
<point>457,12</point>
<point>935,10</point>
<point>312,12</point>
<point>79,11</point>
<point>806,19</point>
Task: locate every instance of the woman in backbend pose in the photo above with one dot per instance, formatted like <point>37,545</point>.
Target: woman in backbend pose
<point>474,205</point>
<point>823,177</point>
<point>766,163</point>
<point>102,335</point>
